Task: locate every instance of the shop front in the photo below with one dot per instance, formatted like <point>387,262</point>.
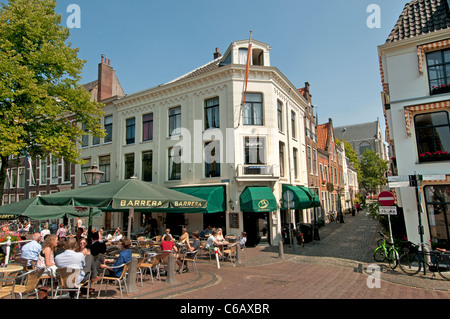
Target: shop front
<point>257,204</point>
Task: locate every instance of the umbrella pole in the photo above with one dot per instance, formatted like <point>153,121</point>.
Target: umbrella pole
<point>130,218</point>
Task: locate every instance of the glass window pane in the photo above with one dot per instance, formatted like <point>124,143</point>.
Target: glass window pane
<point>434,58</point>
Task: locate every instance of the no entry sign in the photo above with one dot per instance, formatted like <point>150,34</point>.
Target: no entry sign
<point>386,199</point>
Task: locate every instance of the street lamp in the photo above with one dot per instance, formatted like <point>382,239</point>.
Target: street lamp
<point>93,177</point>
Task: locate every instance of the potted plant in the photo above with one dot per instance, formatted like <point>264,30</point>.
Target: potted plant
<point>435,156</point>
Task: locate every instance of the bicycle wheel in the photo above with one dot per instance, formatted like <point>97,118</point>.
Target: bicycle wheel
<point>379,254</point>
<point>444,268</point>
<point>380,242</point>
<point>392,257</point>
<point>410,264</point>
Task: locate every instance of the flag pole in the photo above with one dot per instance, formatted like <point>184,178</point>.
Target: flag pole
<point>249,53</point>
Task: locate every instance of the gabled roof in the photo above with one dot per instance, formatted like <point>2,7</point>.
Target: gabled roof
<point>322,136</point>
<point>90,86</point>
<point>421,17</point>
<point>210,66</point>
<point>357,132</point>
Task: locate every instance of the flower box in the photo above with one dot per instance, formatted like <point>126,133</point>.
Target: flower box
<point>435,156</point>
<point>443,88</point>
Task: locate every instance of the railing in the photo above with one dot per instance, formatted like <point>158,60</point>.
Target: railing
<point>252,170</point>
<point>8,244</point>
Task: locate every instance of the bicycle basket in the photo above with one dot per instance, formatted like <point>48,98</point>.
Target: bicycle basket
<point>409,247</point>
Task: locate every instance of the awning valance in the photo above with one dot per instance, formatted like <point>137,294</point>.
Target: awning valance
<point>214,195</point>
<point>258,200</point>
<point>296,197</point>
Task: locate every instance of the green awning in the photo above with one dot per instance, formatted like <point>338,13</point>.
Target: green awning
<point>214,195</point>
<point>299,197</point>
<point>258,200</point>
<point>316,198</point>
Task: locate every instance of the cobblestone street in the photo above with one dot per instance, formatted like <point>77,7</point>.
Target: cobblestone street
<point>334,267</point>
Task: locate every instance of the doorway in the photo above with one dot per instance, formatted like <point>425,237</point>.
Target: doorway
<point>257,227</point>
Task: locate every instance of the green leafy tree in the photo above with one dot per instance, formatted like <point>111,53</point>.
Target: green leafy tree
<point>41,99</point>
<point>373,171</point>
<point>351,154</point>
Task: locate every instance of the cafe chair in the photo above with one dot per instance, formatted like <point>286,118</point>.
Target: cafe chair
<point>67,281</point>
<point>120,279</point>
<point>153,265</point>
<point>23,284</point>
<point>230,252</point>
<point>190,257</point>
<point>140,261</point>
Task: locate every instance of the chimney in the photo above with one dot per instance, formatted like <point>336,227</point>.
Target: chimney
<point>105,79</point>
<point>217,54</point>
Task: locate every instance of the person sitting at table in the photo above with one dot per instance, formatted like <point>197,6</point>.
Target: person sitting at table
<point>117,236</point>
<point>62,231</point>
<point>46,256</point>
<point>212,243</point>
<point>61,247</point>
<point>184,236</point>
<point>45,231</point>
<point>169,234</point>
<point>96,247</point>
<point>167,244</point>
<point>72,258</point>
<point>220,235</point>
<point>191,250</point>
<point>32,249</point>
<point>124,257</point>
<point>242,239</point>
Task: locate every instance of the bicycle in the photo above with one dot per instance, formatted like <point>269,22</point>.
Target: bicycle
<point>411,262</point>
<point>386,251</point>
<point>299,237</point>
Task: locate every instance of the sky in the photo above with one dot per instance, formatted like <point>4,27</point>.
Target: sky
<point>326,43</point>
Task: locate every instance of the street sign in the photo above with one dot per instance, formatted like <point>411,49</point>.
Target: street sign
<point>399,184</point>
<point>386,199</point>
<point>388,210</point>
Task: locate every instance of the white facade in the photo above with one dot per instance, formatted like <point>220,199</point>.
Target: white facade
<point>182,102</point>
<point>407,94</point>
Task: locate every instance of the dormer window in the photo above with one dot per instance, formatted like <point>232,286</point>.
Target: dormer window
<point>257,57</point>
<point>243,54</point>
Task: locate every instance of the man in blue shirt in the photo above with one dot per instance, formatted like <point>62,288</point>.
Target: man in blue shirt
<point>31,250</point>
<point>124,257</point>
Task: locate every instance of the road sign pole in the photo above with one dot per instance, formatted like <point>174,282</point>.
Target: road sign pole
<point>415,179</point>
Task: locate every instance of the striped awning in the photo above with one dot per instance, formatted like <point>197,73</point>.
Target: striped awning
<point>410,110</point>
<point>423,49</point>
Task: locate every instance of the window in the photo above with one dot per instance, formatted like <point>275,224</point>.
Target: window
<point>108,128</point>
<point>280,115</point>
<point>95,140</point>
<point>54,170</point>
<point>67,171</point>
<point>33,170</point>
<point>175,121</point>
<point>21,177</point>
<point>43,171</point>
<point>129,165</point>
<point>174,163</point>
<point>147,161</point>
<point>212,159</point>
<point>130,130</point>
<point>295,158</point>
<point>281,159</point>
<point>85,167</point>
<point>363,147</point>
<point>147,127</point>
<point>438,64</point>
<point>321,172</point>
<point>104,164</point>
<point>308,152</point>
<point>293,124</point>
<point>433,136</point>
<point>243,54</point>
<point>437,198</point>
<point>315,161</point>
<point>254,150</point>
<point>253,111</point>
<point>212,113</point>
<point>85,137</point>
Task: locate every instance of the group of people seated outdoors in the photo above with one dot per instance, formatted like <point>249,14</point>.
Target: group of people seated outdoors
<point>61,250</point>
<point>53,251</point>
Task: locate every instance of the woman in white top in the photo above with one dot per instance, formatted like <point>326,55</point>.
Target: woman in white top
<point>46,256</point>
